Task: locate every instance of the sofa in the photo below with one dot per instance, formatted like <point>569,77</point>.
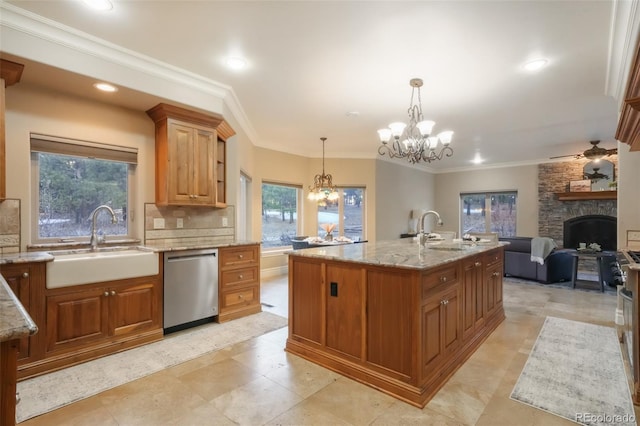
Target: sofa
<point>557,267</point>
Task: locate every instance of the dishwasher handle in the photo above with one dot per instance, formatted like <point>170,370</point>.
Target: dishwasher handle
<point>190,255</point>
<point>185,258</point>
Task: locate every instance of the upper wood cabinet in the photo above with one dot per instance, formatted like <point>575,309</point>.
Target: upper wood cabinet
<point>10,73</point>
<point>629,123</point>
<point>190,157</point>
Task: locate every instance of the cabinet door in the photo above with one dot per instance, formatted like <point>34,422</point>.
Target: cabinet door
<point>452,323</point>
<point>180,161</point>
<point>77,318</point>
<point>441,328</point>
<point>18,277</point>
<point>221,174</point>
<point>472,273</point>
<point>345,305</point>
<point>494,289</point>
<point>204,146</point>
<point>390,321</point>
<point>306,299</point>
<point>134,308</point>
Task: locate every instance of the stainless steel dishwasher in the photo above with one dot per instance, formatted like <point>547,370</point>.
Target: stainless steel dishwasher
<point>190,288</point>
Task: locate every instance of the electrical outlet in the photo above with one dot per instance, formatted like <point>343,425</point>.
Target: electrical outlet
<point>158,223</point>
<point>179,223</point>
<point>225,221</point>
<point>633,235</point>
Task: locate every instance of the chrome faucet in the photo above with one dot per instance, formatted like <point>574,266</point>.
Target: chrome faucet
<point>94,236</point>
<point>422,236</point>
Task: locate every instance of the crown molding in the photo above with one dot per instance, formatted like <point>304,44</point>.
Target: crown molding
<point>44,29</point>
<point>625,26</point>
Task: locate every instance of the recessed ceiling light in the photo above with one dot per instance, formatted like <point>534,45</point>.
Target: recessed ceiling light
<point>236,63</point>
<point>353,114</point>
<point>105,87</point>
<point>99,4</point>
<point>536,64</point>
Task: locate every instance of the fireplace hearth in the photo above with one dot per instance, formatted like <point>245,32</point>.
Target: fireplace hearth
<point>588,229</point>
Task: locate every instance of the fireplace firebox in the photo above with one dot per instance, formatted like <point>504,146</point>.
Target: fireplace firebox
<point>593,228</point>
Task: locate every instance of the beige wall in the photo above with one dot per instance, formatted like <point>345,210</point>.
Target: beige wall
<point>628,200</point>
<point>523,179</point>
<point>33,110</point>
<point>400,190</point>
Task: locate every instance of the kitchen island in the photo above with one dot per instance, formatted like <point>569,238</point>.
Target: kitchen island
<point>393,315</point>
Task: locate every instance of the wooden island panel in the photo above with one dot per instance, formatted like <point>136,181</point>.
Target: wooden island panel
<point>402,331</point>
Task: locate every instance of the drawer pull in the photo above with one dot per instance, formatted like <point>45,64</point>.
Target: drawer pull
<point>478,264</point>
<point>240,276</point>
<point>495,274</point>
<point>25,275</point>
<point>106,293</point>
<point>443,279</point>
<point>240,256</point>
<point>241,296</point>
<point>113,292</point>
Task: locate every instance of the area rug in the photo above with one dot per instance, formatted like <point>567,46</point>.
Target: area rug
<point>54,390</point>
<point>575,370</point>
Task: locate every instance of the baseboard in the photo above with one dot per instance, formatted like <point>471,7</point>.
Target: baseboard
<point>274,272</point>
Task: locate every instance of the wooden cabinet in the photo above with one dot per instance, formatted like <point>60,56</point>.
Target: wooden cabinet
<point>190,157</point>
<point>473,284</point>
<point>493,282</point>
<point>81,316</point>
<point>26,280</point>
<point>344,309</point>
<point>441,327</point>
<point>10,73</point>
<point>239,281</point>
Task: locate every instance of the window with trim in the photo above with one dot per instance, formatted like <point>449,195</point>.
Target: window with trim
<point>489,212</point>
<point>347,213</point>
<point>70,179</point>
<point>280,208</point>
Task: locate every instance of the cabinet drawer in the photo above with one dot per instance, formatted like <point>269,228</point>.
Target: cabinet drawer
<point>493,258</point>
<point>433,278</point>
<point>240,297</point>
<point>239,277</point>
<point>238,256</point>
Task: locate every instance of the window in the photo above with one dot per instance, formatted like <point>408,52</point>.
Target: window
<point>71,178</point>
<point>502,213</point>
<point>280,214</point>
<point>348,215</point>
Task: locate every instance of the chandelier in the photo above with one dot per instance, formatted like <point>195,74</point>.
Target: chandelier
<point>414,141</point>
<point>323,188</point>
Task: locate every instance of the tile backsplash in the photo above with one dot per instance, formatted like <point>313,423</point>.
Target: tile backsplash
<point>198,225</point>
<point>9,226</point>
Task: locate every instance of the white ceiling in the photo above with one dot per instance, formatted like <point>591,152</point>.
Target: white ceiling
<point>311,63</point>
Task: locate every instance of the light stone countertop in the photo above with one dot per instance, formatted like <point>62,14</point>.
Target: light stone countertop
<point>25,257</point>
<point>197,245</point>
<point>402,253</point>
<point>15,322</point>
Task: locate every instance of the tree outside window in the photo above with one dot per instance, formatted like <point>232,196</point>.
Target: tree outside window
<point>279,214</point>
<point>489,212</point>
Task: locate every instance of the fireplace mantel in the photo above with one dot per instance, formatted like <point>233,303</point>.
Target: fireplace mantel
<point>589,195</point>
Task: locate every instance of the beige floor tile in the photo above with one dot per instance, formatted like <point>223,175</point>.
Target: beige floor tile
<point>90,411</point>
<point>460,402</point>
<point>213,380</point>
<point>404,414</point>
<point>256,402</point>
<point>203,414</point>
<point>351,401</point>
<point>307,413</point>
<point>302,377</point>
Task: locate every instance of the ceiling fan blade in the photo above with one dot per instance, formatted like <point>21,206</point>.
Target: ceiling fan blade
<point>575,156</point>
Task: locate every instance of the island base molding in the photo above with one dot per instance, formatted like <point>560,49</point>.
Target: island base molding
<point>416,396</point>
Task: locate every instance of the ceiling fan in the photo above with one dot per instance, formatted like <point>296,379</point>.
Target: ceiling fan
<point>593,153</point>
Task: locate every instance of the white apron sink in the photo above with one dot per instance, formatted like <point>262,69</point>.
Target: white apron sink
<point>74,267</point>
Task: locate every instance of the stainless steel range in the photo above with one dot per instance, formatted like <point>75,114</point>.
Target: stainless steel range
<point>629,262</point>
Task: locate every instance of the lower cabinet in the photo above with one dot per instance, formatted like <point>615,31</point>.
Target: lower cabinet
<point>441,327</point>
<point>239,281</point>
<point>26,280</point>
<point>79,316</point>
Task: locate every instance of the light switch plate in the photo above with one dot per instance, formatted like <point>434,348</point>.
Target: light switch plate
<point>158,223</point>
<point>179,223</point>
<point>225,221</point>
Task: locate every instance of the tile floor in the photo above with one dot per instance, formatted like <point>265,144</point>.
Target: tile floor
<point>257,383</point>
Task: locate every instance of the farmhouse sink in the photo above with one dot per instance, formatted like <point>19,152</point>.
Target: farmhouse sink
<point>83,266</point>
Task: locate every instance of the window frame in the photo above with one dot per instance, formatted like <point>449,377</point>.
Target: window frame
<point>487,203</point>
<point>299,213</point>
<point>341,224</point>
<point>92,150</point>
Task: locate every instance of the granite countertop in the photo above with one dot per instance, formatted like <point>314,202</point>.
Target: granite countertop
<point>197,245</point>
<point>15,322</point>
<point>25,257</point>
<point>403,253</point>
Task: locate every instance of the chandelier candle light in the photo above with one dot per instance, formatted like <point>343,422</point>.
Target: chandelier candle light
<point>322,188</point>
<point>414,141</point>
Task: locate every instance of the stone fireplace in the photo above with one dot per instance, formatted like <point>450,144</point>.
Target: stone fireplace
<point>554,178</point>
<point>592,228</point>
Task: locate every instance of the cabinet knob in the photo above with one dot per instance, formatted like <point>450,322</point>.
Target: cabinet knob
<point>240,276</point>
<point>241,296</point>
<point>240,256</point>
<point>495,274</point>
<point>25,275</point>
<point>478,264</point>
<point>442,302</point>
<point>113,292</point>
<point>443,279</point>
<point>106,293</point>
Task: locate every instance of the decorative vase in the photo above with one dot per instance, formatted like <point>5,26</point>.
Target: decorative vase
<point>328,236</point>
